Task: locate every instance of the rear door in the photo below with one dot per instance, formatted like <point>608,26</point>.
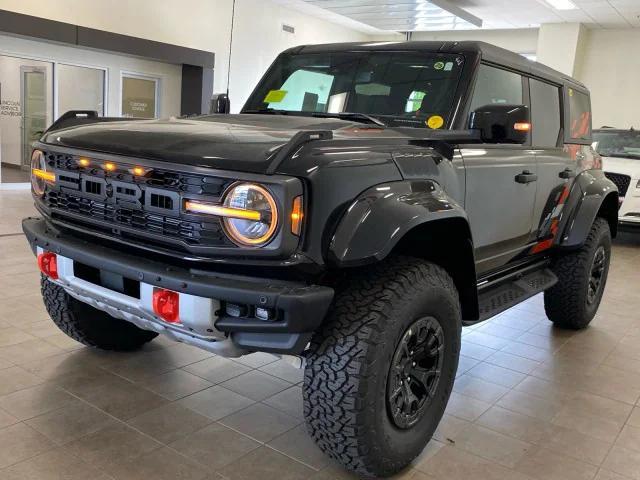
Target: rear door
<point>556,169</point>
<point>499,204</point>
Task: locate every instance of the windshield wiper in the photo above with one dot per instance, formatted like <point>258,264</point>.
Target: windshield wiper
<point>271,111</point>
<point>356,116</point>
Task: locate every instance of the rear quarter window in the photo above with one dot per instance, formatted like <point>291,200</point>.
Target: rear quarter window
<point>579,127</point>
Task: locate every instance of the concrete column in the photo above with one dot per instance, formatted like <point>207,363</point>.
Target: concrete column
<point>560,45</point>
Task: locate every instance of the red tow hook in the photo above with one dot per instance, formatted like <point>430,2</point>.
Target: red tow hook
<point>48,264</point>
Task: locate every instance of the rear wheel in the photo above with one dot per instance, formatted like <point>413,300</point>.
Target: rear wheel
<point>582,275</point>
<point>381,370</point>
<point>89,325</point>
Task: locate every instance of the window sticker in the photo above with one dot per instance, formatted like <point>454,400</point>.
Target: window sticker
<point>438,65</point>
<point>435,122</point>
<point>448,66</point>
<point>275,96</point>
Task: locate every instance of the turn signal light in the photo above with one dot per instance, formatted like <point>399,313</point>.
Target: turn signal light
<point>47,176</point>
<point>48,264</point>
<point>296,216</point>
<point>522,127</point>
<point>166,304</point>
<point>84,162</point>
<point>109,166</point>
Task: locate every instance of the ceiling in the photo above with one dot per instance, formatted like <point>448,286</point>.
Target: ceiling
<point>383,16</point>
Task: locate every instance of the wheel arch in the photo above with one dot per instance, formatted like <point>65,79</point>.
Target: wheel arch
<point>415,218</point>
<point>592,195</point>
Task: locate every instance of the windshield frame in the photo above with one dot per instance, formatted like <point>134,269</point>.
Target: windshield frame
<point>460,95</point>
<point>618,133</point>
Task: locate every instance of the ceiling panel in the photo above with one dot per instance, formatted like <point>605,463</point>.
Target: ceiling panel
<point>375,16</point>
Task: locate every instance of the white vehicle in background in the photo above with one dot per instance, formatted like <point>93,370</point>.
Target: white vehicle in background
<point>620,151</point>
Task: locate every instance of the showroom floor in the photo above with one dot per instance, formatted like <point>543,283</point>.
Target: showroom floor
<point>530,402</point>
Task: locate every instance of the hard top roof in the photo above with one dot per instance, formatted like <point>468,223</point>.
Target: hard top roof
<point>488,52</point>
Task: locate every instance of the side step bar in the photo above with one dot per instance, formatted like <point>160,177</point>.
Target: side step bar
<point>499,297</point>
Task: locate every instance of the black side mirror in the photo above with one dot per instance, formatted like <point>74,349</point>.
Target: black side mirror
<point>502,123</point>
<point>220,103</point>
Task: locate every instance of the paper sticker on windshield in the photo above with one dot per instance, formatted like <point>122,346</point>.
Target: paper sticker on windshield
<point>435,122</point>
<point>275,96</point>
<point>438,65</point>
<point>448,66</point>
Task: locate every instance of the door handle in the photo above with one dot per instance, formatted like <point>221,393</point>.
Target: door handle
<point>567,173</point>
<point>526,177</point>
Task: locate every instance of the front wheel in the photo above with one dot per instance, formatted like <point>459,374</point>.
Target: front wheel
<point>582,275</point>
<point>380,372</point>
<point>89,325</point>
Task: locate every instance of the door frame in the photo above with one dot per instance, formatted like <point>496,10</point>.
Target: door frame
<point>24,69</point>
<point>130,74</point>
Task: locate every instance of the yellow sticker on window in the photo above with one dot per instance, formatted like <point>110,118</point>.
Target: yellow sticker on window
<point>275,96</point>
<point>435,122</point>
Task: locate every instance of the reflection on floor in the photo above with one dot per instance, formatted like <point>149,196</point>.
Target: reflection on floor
<point>530,401</point>
<point>13,174</point>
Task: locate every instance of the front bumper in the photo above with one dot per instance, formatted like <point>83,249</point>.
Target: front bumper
<point>300,309</point>
<point>629,213</point>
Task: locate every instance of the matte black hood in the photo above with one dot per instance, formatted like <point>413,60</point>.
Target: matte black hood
<point>229,142</point>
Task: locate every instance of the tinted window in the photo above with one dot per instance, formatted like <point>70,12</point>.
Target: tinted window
<point>402,89</point>
<point>545,113</point>
<point>579,115</point>
<point>495,86</point>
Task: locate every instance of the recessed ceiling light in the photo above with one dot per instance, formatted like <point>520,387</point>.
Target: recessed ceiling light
<point>562,4</point>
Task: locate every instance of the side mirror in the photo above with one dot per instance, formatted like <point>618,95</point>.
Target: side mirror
<point>502,123</point>
<point>220,103</point>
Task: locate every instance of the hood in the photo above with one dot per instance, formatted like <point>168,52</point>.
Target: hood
<point>228,142</point>
<point>625,166</point>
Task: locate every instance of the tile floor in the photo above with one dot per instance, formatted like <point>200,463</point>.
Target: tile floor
<point>530,402</point>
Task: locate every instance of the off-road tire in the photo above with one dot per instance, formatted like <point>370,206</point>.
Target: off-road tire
<point>89,325</point>
<point>345,381</point>
<point>566,302</point>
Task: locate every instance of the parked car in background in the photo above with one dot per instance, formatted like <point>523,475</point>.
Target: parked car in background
<point>620,151</point>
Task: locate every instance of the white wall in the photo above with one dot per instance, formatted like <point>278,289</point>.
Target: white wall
<point>559,45</point>
<point>610,67</point>
<point>170,75</point>
<point>200,24</point>
<point>258,38</point>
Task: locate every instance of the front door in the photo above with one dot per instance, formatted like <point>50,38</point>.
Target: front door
<point>500,199</point>
<point>501,180</point>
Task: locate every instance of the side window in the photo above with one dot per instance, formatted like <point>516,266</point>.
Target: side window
<point>579,116</point>
<point>545,113</point>
<point>496,86</point>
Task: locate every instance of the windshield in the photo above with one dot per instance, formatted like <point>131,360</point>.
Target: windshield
<point>623,144</point>
<point>397,88</point>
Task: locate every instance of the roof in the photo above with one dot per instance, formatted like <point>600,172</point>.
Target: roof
<point>487,51</point>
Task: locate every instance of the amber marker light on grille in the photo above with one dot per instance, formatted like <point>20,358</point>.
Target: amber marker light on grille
<point>296,216</point>
<point>138,171</point>
<point>220,211</point>
<point>47,176</point>
<point>109,166</point>
<point>522,127</point>
<point>84,162</point>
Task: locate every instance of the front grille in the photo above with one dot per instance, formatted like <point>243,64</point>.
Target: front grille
<point>146,209</point>
<point>621,181</point>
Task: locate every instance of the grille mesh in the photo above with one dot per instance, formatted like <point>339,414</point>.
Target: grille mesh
<point>121,219</point>
<point>621,181</point>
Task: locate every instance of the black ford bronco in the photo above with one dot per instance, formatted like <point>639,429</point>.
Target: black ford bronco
<point>368,202</point>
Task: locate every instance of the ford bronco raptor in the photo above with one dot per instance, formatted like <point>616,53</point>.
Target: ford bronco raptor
<point>368,201</point>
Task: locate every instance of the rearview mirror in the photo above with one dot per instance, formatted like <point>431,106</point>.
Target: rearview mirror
<point>502,123</point>
<point>220,103</point>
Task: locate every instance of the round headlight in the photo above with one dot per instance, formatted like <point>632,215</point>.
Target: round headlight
<point>250,232</point>
<point>38,164</point>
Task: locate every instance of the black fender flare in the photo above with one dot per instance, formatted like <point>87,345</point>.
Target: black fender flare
<point>592,192</point>
<point>380,216</point>
<point>405,213</point>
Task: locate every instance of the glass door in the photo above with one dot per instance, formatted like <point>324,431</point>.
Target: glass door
<point>26,110</point>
